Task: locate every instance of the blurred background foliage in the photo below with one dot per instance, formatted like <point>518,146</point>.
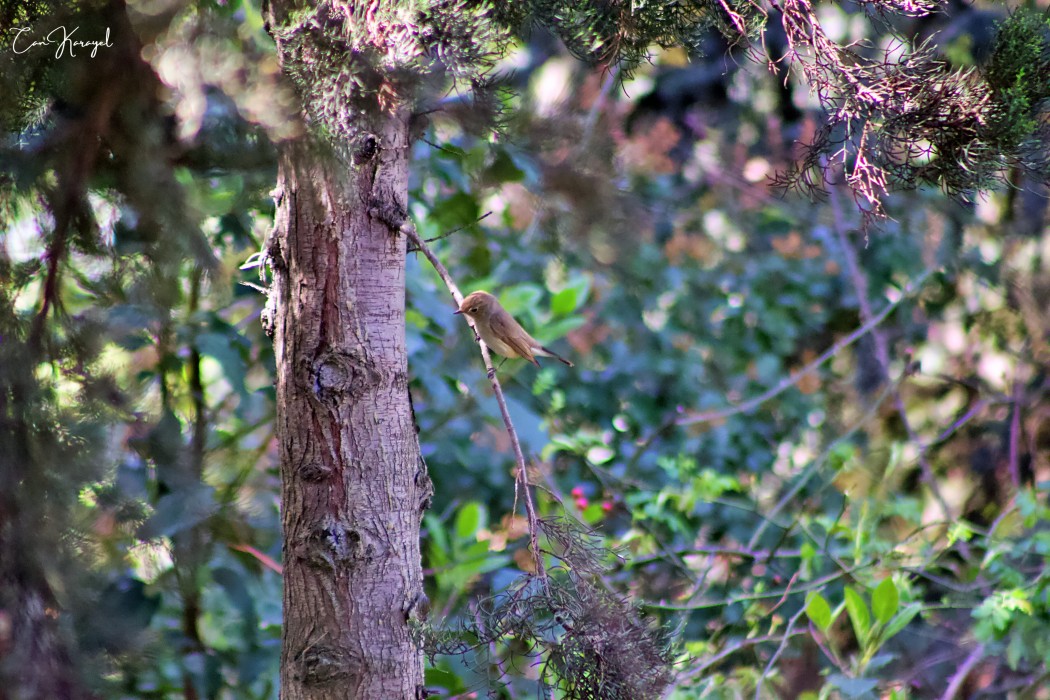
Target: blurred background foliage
<point>873,527</point>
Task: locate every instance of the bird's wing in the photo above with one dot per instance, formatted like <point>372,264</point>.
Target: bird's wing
<point>506,329</point>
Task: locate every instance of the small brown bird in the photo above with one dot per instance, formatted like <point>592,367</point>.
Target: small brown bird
<point>500,331</point>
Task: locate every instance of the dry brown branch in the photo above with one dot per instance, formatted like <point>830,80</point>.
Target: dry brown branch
<point>897,116</point>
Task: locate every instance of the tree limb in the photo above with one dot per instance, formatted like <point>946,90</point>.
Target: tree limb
<point>521,478</point>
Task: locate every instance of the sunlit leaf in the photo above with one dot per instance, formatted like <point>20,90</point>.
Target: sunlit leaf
<point>818,610</point>
<point>858,614</point>
<point>885,600</point>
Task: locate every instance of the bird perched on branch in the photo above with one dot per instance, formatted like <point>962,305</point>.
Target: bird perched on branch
<point>500,331</point>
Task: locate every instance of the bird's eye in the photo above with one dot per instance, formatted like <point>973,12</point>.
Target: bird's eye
<point>473,309</point>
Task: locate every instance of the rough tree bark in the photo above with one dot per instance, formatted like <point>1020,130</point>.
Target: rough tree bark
<point>353,484</point>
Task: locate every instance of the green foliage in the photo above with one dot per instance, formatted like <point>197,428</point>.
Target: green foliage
<point>600,34</point>
<point>460,555</point>
<point>348,83</point>
<point>733,528</point>
<point>818,611</point>
<point>1015,73</point>
<point>145,360</point>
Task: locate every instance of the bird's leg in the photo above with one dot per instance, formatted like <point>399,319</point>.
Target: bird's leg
<point>492,372</point>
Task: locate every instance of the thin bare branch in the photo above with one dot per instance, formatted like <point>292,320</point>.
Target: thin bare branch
<point>455,230</point>
<point>780,650</point>
<point>814,467</point>
<point>960,675</point>
<point>521,478</point>
<point>882,352</point>
<point>751,404</point>
<point>736,647</point>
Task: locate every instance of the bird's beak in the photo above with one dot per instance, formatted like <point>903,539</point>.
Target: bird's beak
<point>457,312</point>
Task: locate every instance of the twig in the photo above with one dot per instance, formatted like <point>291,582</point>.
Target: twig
<point>977,407</point>
<point>596,107</point>
<point>56,250</point>
<point>264,559</point>
<point>589,123</point>
<point>761,556</point>
<point>493,650</point>
<point>1015,436</point>
<point>815,584</point>
<point>521,478</point>
<point>963,589</point>
<point>826,649</point>
<point>69,194</point>
<point>751,404</point>
<point>813,468</point>
<point>437,145</point>
<point>787,592</point>
<point>959,677</point>
<point>733,649</point>
<point>780,650</point>
<point>449,233</point>
<point>882,353</point>
<point>1027,684</point>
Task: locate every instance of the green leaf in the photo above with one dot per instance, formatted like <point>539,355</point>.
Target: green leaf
<point>439,544</point>
<point>841,454</point>
<point>1015,651</point>
<point>127,608</point>
<point>960,530</point>
<point>818,611</point>
<point>858,614</point>
<point>593,514</point>
<point>853,687</point>
<point>556,329</point>
<point>444,679</point>
<point>236,586</point>
<point>224,348</point>
<point>900,621</point>
<point>571,297</point>
<point>520,299</point>
<point>885,600</point>
<point>564,302</point>
<point>600,454</point>
<point>469,520</point>
<point>179,511</point>
<point>459,209</point>
<point>163,444</point>
<point>503,169</point>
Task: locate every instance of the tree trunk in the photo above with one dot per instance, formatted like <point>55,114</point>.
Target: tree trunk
<point>353,484</point>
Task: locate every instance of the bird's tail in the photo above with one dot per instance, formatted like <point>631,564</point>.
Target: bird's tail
<point>556,356</point>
